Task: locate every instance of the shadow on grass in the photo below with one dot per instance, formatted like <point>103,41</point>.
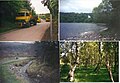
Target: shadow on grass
<point>85,75</point>
<point>64,72</point>
<point>88,75</point>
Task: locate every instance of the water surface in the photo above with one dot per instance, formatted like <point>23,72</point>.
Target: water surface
<point>84,31</point>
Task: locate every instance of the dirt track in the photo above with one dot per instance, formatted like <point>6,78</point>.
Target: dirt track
<point>34,33</point>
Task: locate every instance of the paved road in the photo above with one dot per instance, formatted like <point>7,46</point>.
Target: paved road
<point>34,33</point>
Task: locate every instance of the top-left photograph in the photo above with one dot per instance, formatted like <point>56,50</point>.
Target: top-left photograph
<point>29,20</point>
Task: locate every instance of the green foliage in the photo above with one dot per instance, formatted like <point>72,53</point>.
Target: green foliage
<point>52,6</point>
<point>115,13</point>
<point>107,12</point>
<point>91,55</point>
<point>75,17</point>
<point>7,26</point>
<point>102,13</point>
<point>9,9</point>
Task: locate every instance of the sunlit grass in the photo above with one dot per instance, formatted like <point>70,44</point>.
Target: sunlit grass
<point>85,75</point>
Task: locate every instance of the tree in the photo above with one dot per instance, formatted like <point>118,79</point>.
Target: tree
<point>100,56</point>
<point>9,9</point>
<point>111,51</point>
<point>115,13</point>
<point>52,6</point>
<point>87,55</point>
<point>76,17</point>
<point>71,52</point>
<point>102,13</point>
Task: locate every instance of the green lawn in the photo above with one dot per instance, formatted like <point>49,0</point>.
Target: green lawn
<point>6,76</point>
<point>85,75</point>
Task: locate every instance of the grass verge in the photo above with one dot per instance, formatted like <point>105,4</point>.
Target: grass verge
<point>6,76</point>
<point>7,26</point>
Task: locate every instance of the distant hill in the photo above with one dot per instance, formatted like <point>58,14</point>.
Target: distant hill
<point>75,17</point>
<point>37,49</point>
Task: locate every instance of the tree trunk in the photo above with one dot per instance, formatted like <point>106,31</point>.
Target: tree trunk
<point>73,65</point>
<point>71,73</point>
<point>109,71</point>
<point>116,65</point>
<point>100,58</point>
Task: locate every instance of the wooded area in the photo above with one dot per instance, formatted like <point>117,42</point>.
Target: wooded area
<point>9,9</point>
<point>75,17</point>
<point>89,62</point>
<point>108,12</point>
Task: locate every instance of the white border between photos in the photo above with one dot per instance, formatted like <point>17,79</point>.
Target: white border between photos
<point>89,82</point>
<point>58,20</point>
<point>119,60</point>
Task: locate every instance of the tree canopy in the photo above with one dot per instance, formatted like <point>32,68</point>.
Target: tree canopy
<point>52,6</point>
<point>107,12</point>
<point>9,9</point>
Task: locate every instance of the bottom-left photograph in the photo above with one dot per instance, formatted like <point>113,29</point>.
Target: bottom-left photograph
<point>29,62</point>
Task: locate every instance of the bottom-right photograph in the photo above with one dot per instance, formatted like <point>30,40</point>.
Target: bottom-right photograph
<point>89,61</point>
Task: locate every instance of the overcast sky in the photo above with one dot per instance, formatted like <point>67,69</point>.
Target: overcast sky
<point>78,6</point>
<point>39,7</point>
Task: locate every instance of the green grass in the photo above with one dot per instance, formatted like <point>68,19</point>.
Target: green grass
<point>6,76</point>
<point>85,75</point>
<point>64,72</point>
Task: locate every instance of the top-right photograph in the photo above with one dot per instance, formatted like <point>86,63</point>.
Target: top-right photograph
<point>89,20</point>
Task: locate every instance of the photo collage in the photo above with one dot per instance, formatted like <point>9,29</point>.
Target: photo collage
<point>59,41</point>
